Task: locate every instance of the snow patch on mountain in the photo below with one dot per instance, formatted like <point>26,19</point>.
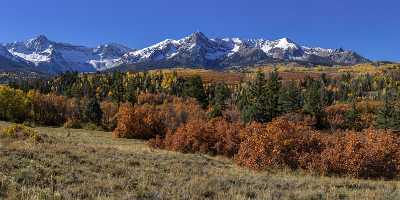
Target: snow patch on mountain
<point>33,57</point>
<point>43,52</point>
<point>198,48</point>
<point>193,50</point>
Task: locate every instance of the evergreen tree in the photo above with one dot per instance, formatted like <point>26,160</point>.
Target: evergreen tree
<point>117,87</point>
<point>193,87</point>
<point>260,102</point>
<point>352,117</point>
<point>131,91</point>
<point>218,97</point>
<point>254,104</point>
<point>178,86</point>
<point>272,96</point>
<point>314,103</point>
<point>245,103</point>
<point>290,98</point>
<point>388,116</point>
<point>93,112</point>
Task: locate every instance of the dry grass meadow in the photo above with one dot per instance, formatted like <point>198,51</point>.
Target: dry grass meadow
<point>81,164</point>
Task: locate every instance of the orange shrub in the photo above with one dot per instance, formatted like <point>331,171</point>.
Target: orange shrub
<point>299,119</point>
<point>109,119</point>
<point>370,154</point>
<point>180,111</point>
<point>368,110</point>
<point>279,143</point>
<point>368,106</point>
<point>336,115</point>
<point>367,154</point>
<point>141,122</point>
<point>154,99</point>
<point>48,109</point>
<point>73,112</point>
<point>147,121</point>
<point>216,137</point>
<point>231,114</point>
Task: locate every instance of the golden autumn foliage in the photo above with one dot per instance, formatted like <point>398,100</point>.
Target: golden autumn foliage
<point>14,104</point>
<point>20,132</point>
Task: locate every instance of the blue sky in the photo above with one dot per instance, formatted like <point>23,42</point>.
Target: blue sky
<point>369,27</point>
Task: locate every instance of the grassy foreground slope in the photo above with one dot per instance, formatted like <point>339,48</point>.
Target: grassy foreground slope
<point>80,164</point>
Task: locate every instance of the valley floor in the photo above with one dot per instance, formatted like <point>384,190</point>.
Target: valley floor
<point>80,164</point>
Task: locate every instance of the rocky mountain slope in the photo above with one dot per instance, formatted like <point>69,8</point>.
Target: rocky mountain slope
<point>195,50</point>
<point>53,57</point>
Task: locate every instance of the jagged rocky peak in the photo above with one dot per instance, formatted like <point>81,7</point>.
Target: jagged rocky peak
<point>195,49</point>
<point>340,50</point>
<point>39,43</point>
<point>111,49</point>
<point>198,37</point>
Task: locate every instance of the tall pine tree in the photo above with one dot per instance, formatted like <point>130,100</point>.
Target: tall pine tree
<point>193,87</point>
<point>259,101</point>
<point>388,117</point>
<point>93,112</point>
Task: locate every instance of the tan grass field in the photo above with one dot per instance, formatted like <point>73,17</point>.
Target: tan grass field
<point>81,164</point>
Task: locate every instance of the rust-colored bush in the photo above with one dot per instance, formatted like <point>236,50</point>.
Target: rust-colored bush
<point>180,111</point>
<point>154,99</point>
<point>368,110</point>
<point>73,123</point>
<point>279,143</point>
<point>73,109</point>
<point>140,122</point>
<point>336,115</point>
<point>368,106</point>
<point>370,154</point>
<point>216,137</point>
<point>231,114</point>
<point>301,119</point>
<point>48,109</point>
<point>109,118</point>
<point>367,154</point>
<point>147,121</point>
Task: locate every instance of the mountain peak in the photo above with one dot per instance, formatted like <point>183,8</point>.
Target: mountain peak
<point>38,43</point>
<point>198,36</point>
<point>39,38</point>
<point>193,50</point>
<point>286,43</point>
<point>286,40</point>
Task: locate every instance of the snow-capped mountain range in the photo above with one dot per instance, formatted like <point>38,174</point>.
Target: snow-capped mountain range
<point>196,50</point>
